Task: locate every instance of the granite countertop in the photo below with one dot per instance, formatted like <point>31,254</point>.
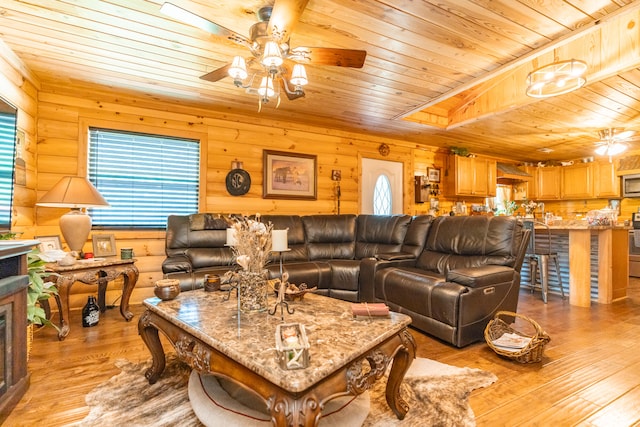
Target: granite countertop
<point>578,224</point>
<point>335,336</point>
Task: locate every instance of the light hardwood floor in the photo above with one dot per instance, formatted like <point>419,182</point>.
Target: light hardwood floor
<point>590,374</point>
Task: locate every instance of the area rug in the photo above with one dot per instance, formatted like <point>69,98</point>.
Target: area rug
<point>436,393</point>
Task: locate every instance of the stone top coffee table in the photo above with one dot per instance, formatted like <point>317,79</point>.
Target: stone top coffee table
<point>347,355</point>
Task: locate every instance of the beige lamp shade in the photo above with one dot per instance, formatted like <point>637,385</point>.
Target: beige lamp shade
<point>73,192</point>
<point>76,193</point>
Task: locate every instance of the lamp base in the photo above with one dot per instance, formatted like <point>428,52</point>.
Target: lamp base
<point>75,226</point>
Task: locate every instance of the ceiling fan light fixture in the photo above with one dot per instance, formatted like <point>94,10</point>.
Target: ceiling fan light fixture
<point>299,75</point>
<point>557,78</point>
<point>611,149</point>
<point>271,56</point>
<point>238,69</point>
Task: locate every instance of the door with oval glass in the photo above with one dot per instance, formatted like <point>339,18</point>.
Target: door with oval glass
<point>381,189</point>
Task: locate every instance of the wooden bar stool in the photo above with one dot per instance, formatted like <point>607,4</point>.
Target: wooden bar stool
<point>539,253</point>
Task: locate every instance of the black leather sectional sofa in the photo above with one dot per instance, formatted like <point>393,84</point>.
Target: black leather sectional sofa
<point>450,274</point>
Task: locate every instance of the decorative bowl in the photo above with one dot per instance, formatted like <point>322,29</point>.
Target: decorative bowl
<point>167,289</point>
<point>293,293</point>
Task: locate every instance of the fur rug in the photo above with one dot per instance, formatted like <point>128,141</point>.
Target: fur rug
<point>437,395</point>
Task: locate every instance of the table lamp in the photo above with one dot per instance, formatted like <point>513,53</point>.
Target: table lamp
<point>77,193</point>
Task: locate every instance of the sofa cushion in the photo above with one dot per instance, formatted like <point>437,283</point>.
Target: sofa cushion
<point>380,234</point>
<point>416,235</point>
<point>313,273</point>
<point>485,240</point>
<point>420,291</point>
<point>487,275</point>
<point>295,235</point>
<point>330,236</point>
<point>345,274</point>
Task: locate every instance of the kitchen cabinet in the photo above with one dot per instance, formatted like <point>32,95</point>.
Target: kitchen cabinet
<point>548,183</point>
<point>472,177</point>
<point>577,181</point>
<point>527,190</point>
<point>605,181</point>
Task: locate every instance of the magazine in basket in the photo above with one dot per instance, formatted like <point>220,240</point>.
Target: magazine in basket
<point>511,342</point>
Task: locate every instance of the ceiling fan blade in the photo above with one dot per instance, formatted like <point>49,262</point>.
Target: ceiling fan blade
<point>329,56</point>
<point>623,135</point>
<point>216,75</point>
<point>284,17</point>
<point>190,18</point>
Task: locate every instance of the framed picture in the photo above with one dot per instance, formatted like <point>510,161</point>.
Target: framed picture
<point>336,175</point>
<point>104,245</point>
<point>433,174</point>
<point>49,243</point>
<point>289,176</point>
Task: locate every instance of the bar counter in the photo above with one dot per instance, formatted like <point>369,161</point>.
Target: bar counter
<point>597,258</point>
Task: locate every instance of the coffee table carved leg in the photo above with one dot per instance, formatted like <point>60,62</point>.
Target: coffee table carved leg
<point>286,411</point>
<point>149,334</point>
<point>130,276</point>
<point>401,363</point>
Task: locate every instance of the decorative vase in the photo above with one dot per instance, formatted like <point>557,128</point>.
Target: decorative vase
<point>253,291</point>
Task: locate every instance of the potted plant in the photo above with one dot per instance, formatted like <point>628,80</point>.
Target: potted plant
<point>38,290</point>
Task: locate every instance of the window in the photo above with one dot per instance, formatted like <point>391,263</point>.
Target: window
<point>145,178</point>
<point>7,153</point>
<point>382,196</point>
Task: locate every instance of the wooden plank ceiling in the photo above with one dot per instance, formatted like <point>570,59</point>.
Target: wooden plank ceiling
<point>437,72</point>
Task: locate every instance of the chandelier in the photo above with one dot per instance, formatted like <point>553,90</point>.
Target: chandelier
<point>556,79</point>
<point>270,72</point>
<point>611,138</point>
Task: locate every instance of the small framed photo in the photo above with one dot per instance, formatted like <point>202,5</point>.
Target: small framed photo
<point>49,243</point>
<point>433,174</point>
<point>336,175</point>
<point>104,245</point>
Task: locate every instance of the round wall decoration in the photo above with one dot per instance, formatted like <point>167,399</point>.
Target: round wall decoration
<point>238,182</point>
<point>384,149</point>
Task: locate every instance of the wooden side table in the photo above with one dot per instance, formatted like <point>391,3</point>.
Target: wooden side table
<point>91,273</point>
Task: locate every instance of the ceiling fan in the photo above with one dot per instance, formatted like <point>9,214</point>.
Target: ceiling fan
<point>612,141</point>
<point>273,60</point>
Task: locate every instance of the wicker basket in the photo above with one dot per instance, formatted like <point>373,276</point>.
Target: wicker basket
<point>531,353</point>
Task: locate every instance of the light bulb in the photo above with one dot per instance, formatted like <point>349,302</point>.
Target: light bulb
<point>299,75</point>
<point>266,87</point>
<point>238,69</point>
<point>272,56</point>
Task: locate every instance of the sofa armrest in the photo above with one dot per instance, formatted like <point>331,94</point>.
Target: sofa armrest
<point>178,263</point>
<point>394,256</point>
<point>478,277</point>
<point>368,269</point>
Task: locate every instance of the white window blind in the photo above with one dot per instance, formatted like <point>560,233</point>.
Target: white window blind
<point>145,178</point>
<point>7,153</point>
